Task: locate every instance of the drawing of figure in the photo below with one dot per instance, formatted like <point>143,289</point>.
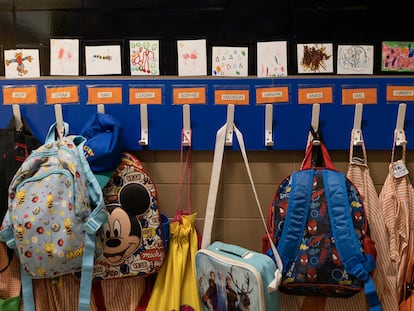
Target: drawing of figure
<point>231,295</point>
<point>221,293</point>
<point>19,59</point>
<point>211,292</point>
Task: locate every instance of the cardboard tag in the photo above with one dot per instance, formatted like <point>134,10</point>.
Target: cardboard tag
<point>399,169</point>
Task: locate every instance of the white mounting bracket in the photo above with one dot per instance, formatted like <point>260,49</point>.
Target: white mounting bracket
<point>101,108</point>
<point>144,125</point>
<point>17,117</point>
<point>186,133</point>
<point>230,125</point>
<point>356,131</point>
<point>400,139</point>
<point>269,125</point>
<point>60,127</point>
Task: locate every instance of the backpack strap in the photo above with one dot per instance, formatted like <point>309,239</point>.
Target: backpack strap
<point>295,221</point>
<point>346,241</point>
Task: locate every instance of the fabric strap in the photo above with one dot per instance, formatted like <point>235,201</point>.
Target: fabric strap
<point>212,195</point>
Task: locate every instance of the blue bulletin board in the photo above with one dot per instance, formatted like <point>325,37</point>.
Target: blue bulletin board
<point>290,119</point>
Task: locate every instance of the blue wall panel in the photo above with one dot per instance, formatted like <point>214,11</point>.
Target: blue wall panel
<point>291,121</point>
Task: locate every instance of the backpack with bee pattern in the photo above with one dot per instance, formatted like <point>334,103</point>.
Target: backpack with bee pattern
<point>55,208</point>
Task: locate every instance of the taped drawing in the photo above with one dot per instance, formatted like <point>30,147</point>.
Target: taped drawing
<point>23,63</point>
<point>192,57</point>
<point>230,61</point>
<point>144,57</point>
<point>315,58</point>
<point>397,56</point>
<point>272,59</point>
<point>355,59</point>
<point>103,60</point>
<point>64,57</point>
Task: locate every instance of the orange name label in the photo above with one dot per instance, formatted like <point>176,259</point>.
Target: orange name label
<point>266,95</point>
<point>400,93</point>
<point>151,95</point>
<point>19,95</point>
<point>62,95</point>
<point>236,97</point>
<point>359,96</point>
<point>104,95</point>
<point>320,95</point>
<point>194,95</point>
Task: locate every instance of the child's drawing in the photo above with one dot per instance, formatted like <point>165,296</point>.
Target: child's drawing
<point>315,58</point>
<point>355,59</point>
<point>144,57</point>
<point>64,57</point>
<point>22,63</point>
<point>192,57</point>
<point>272,59</point>
<point>230,61</point>
<point>103,60</point>
<point>397,56</point>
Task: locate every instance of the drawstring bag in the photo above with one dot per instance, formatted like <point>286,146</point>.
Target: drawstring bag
<point>397,199</point>
<point>359,173</point>
<point>177,276</point>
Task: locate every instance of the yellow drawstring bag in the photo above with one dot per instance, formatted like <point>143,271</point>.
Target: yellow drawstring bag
<point>176,287</point>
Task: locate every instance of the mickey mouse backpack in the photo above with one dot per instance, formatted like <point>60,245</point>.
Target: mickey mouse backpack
<point>134,238</point>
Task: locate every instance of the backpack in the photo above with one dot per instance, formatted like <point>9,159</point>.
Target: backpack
<point>55,208</point>
<point>134,237</point>
<point>319,225</point>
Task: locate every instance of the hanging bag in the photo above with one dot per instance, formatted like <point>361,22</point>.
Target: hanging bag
<point>230,276</point>
<point>177,276</point>
<point>16,143</point>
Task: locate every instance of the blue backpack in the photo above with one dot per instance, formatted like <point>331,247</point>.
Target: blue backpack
<point>319,226</point>
<point>55,208</point>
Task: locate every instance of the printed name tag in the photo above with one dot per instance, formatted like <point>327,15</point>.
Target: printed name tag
<point>359,96</point>
<point>318,95</point>
<point>62,95</point>
<point>19,95</point>
<point>227,97</point>
<point>190,95</point>
<point>105,95</point>
<point>400,93</point>
<point>150,95</point>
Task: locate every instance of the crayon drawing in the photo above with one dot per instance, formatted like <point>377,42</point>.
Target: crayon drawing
<point>103,60</point>
<point>397,56</point>
<point>64,57</point>
<point>272,59</point>
<point>144,57</point>
<point>355,59</point>
<point>192,57</point>
<point>230,61</point>
<point>315,58</point>
<point>23,63</point>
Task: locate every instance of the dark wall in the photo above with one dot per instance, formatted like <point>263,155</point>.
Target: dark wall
<point>30,24</point>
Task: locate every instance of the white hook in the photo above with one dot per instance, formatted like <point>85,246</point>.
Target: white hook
<point>269,125</point>
<point>101,108</point>
<point>17,117</point>
<point>400,139</point>
<point>186,134</point>
<point>230,125</point>
<point>144,125</point>
<point>315,122</point>
<point>60,127</point>
<point>356,131</point>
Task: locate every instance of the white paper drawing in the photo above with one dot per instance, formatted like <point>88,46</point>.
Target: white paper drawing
<point>192,57</point>
<point>230,61</point>
<point>23,63</point>
<point>64,57</point>
<point>355,59</point>
<point>144,57</point>
<point>103,60</point>
<point>272,59</point>
<point>315,58</point>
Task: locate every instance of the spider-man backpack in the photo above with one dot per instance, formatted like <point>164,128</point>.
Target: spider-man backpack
<point>319,226</point>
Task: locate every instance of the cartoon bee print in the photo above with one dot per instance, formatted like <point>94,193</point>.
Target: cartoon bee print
<point>68,226</point>
<point>49,249</point>
<point>20,195</point>
<point>19,232</point>
<point>49,201</point>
